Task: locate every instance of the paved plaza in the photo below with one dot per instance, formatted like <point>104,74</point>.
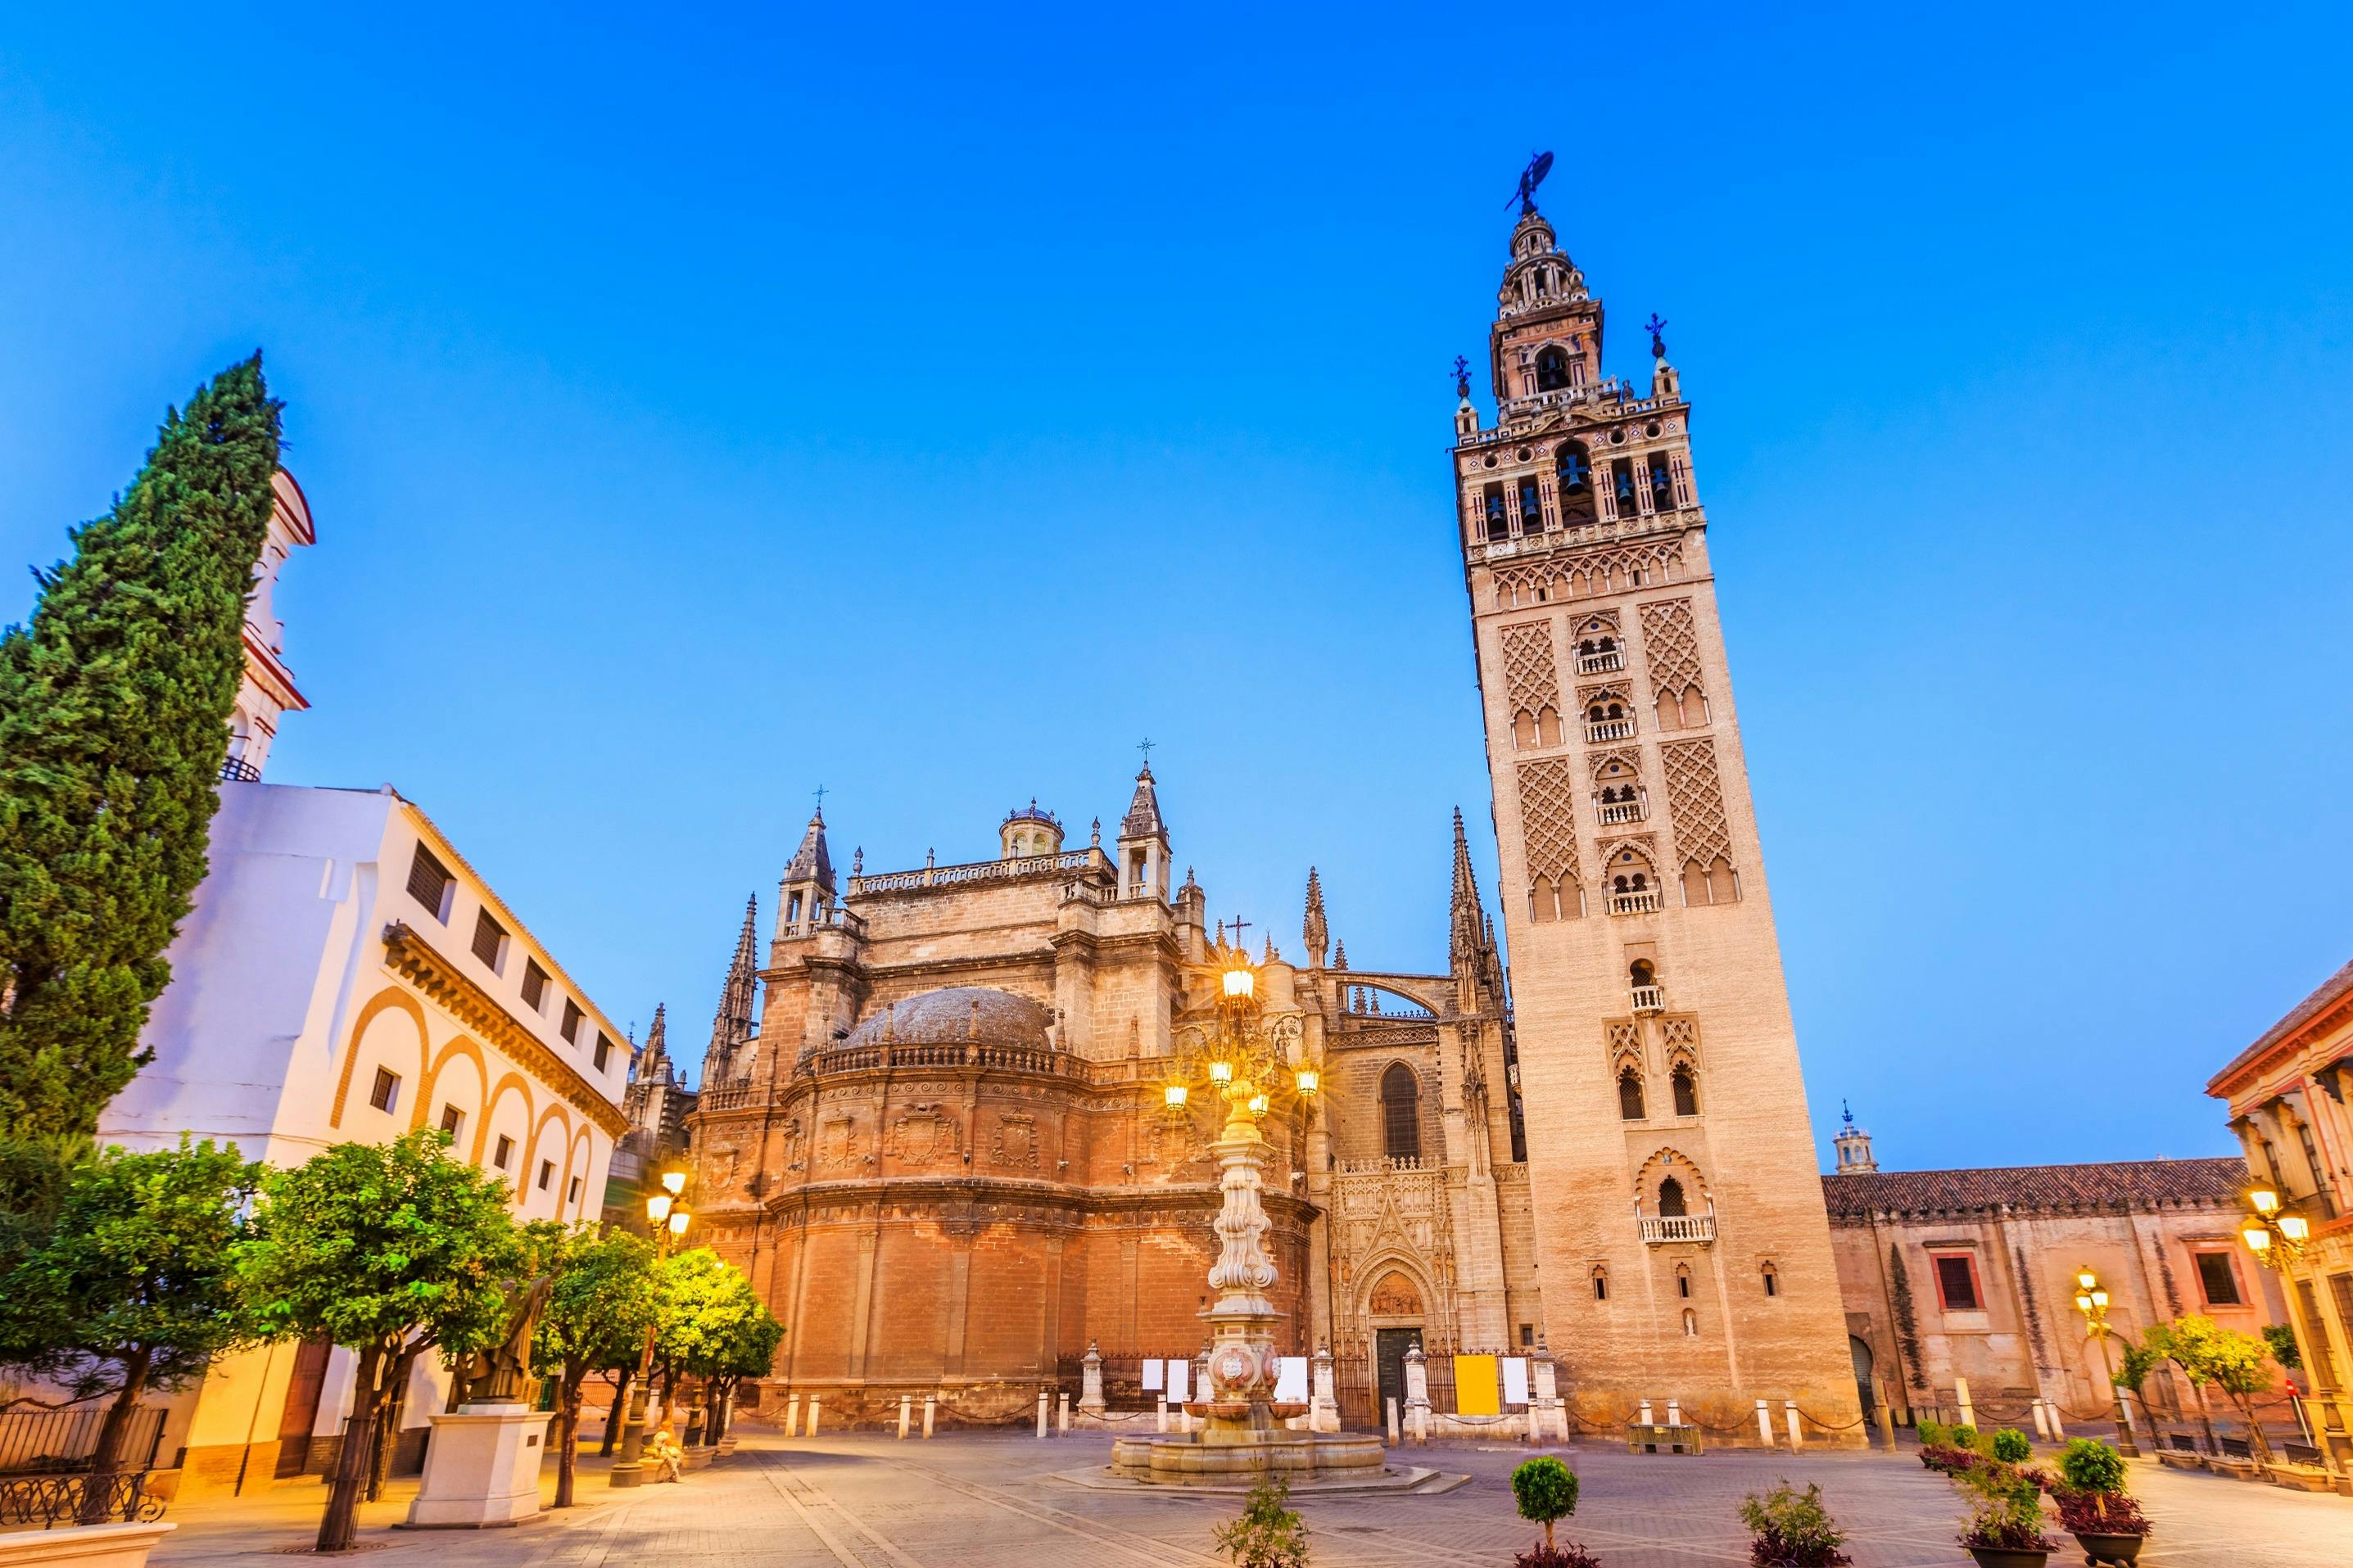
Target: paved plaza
<point>985,1501</point>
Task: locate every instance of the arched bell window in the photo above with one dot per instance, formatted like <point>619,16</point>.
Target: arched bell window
<point>1671,1199</point>
<point>1552,370</point>
<point>1400,1113</point>
<point>1572,483</point>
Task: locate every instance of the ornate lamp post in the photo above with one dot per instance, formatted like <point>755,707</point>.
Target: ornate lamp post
<point>669,1217</point>
<point>1248,1071</point>
<point>2091,1300</point>
<point>2276,1239</point>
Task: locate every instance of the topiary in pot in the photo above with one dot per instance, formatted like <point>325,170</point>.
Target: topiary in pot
<point>1793,1530</point>
<point>2094,1505</point>
<point>1546,1491</point>
<point>1963,1436</point>
<point>1932,1434</point>
<point>2010,1446</point>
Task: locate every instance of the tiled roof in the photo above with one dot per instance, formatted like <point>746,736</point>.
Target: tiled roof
<point>2130,1184</point>
<point>2330,992</point>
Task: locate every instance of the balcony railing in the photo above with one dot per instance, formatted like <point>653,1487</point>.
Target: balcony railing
<point>1600,663</point>
<point>1678,1228</point>
<point>834,917</point>
<point>1640,901</point>
<point>1621,811</point>
<point>236,770</point>
<point>1610,730</point>
<point>1649,998</point>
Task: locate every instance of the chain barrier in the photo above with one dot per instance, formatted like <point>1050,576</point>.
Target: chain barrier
<point>1832,1426</point>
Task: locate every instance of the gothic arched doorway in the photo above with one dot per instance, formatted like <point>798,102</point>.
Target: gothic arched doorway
<point>1858,1350</point>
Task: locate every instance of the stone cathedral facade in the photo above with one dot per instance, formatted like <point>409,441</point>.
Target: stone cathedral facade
<point>938,1143</point>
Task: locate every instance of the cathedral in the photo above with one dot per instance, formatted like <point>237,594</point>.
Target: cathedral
<point>934,1125</point>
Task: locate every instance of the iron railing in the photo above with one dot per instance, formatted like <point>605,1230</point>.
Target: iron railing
<point>52,1442</point>
<point>236,770</point>
<point>51,1500</point>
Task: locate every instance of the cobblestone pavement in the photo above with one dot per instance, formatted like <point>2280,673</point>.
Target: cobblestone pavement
<point>987,1501</point>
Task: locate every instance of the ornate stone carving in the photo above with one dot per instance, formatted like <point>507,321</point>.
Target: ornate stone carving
<point>1671,645</point>
<point>1592,571</point>
<point>836,1142</point>
<point>1695,801</point>
<point>1015,1147</point>
<point>1549,819</point>
<point>1394,1297</point>
<point>1531,678</point>
<point>922,1134</point>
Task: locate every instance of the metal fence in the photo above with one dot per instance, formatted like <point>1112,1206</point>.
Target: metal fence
<point>52,1500</point>
<point>53,1442</point>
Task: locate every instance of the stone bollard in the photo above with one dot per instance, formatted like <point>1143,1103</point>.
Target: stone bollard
<point>1548,1388</point>
<point>1886,1416</point>
<point>1326,1416</point>
<point>1091,1393</point>
<point>2034,1408</point>
<point>1417,1391</point>
<point>2051,1410</point>
<point>1764,1423</point>
<point>1160,1415</point>
<point>906,1413</point>
<point>1042,1412</point>
<point>929,1400</point>
<point>1536,1425</point>
<point>1797,1438</point>
<point>792,1417</point>
<point>1395,1436</point>
<point>1062,1414</point>
<point>814,1403</point>
<point>1961,1395</point>
<point>1674,1412</point>
<point>1643,1415</point>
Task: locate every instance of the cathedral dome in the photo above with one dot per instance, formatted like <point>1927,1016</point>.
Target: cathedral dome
<point>954,1014</point>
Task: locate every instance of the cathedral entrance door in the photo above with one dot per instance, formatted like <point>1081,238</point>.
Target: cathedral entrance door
<point>1859,1351</point>
<point>1389,1346</point>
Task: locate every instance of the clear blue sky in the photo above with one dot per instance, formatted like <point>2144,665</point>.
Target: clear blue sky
<point>699,408</point>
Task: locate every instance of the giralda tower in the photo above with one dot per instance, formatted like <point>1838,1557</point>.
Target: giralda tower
<point>1680,1240</point>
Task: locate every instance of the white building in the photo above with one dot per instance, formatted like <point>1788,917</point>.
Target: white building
<point>346,974</point>
<point>267,692</point>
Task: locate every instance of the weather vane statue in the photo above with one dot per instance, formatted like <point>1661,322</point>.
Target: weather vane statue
<point>1539,166</point>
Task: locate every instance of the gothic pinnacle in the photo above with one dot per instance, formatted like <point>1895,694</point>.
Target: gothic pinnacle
<point>1317,932</point>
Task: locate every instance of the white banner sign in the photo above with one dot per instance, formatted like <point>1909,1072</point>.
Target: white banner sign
<point>1180,1380</point>
<point>1152,1377</point>
<point>1515,1381</point>
<point>1291,1380</point>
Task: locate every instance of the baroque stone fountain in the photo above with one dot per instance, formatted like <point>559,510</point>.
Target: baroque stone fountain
<point>1242,1426</point>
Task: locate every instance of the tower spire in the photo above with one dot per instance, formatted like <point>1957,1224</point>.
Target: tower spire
<point>1317,934</point>
<point>731,1024</point>
<point>1469,937</point>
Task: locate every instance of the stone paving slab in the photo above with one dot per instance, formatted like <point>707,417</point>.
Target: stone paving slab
<point>988,1500</point>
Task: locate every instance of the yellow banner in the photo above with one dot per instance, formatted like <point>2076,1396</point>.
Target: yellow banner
<point>1475,1391</point>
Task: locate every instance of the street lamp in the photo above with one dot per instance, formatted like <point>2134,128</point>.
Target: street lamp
<point>2276,1238</point>
<point>2091,1300</point>
<point>669,1217</point>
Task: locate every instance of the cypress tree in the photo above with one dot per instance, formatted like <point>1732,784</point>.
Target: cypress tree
<point>115,710</point>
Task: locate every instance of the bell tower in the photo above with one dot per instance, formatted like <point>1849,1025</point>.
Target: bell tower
<point>1678,1212</point>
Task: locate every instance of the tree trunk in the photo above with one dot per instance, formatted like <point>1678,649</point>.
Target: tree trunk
<point>2205,1419</point>
<point>340,1524</point>
<point>2263,1450</point>
<point>620,1409</point>
<point>387,1427</point>
<point>98,1491</point>
<point>567,1429</point>
<point>1547,1535</point>
<point>669,1401</point>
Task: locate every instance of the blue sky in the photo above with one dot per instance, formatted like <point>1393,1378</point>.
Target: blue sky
<point>698,409</point>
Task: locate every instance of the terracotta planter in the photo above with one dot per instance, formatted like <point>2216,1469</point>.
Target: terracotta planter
<point>2119,1550</point>
<point>2003,1557</point>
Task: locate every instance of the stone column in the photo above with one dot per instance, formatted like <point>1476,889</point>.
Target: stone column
<point>1323,1416</point>
<point>1090,1390</point>
<point>1417,1391</point>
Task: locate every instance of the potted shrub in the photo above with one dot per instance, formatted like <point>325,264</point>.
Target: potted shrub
<point>2005,1524</point>
<point>2010,1446</point>
<point>1790,1528</point>
<point>2094,1505</point>
<point>1269,1534</point>
<point>1546,1491</point>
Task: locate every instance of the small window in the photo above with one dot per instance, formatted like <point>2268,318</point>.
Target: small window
<point>572,1016</point>
<point>1683,1283</point>
<point>1630,1095</point>
<point>429,883</point>
<point>1400,1113</point>
<point>604,1050</point>
<point>1527,1335</point>
<point>2219,1279</point>
<point>504,1153</point>
<point>1686,1092</point>
<point>1957,1283</point>
<point>1671,1198</point>
<point>451,1120</point>
<point>1499,521</point>
<point>572,1192</point>
<point>489,939</point>
<point>546,1175</point>
<point>1600,1286</point>
<point>534,983</point>
<point>386,1092</point>
<point>1772,1281</point>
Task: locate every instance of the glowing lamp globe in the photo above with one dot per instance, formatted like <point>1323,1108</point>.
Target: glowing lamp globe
<point>674,1182</point>
<point>658,1207</point>
<point>678,1220</point>
<point>2266,1200</point>
<point>2100,1300</point>
<point>1221,1072</point>
<point>2086,1278</point>
<point>1241,983</point>
<point>2294,1227</point>
<point>1308,1079</point>
<point>2258,1238</point>
<point>1258,1104</point>
<point>2084,1301</point>
<point>1174,1095</point>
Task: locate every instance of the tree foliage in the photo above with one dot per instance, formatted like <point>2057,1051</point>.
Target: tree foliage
<point>2211,1355</point>
<point>389,1248</point>
<point>114,707</point>
<point>1269,1532</point>
<point>1546,1491</point>
<point>1791,1528</point>
<point>598,1307</point>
